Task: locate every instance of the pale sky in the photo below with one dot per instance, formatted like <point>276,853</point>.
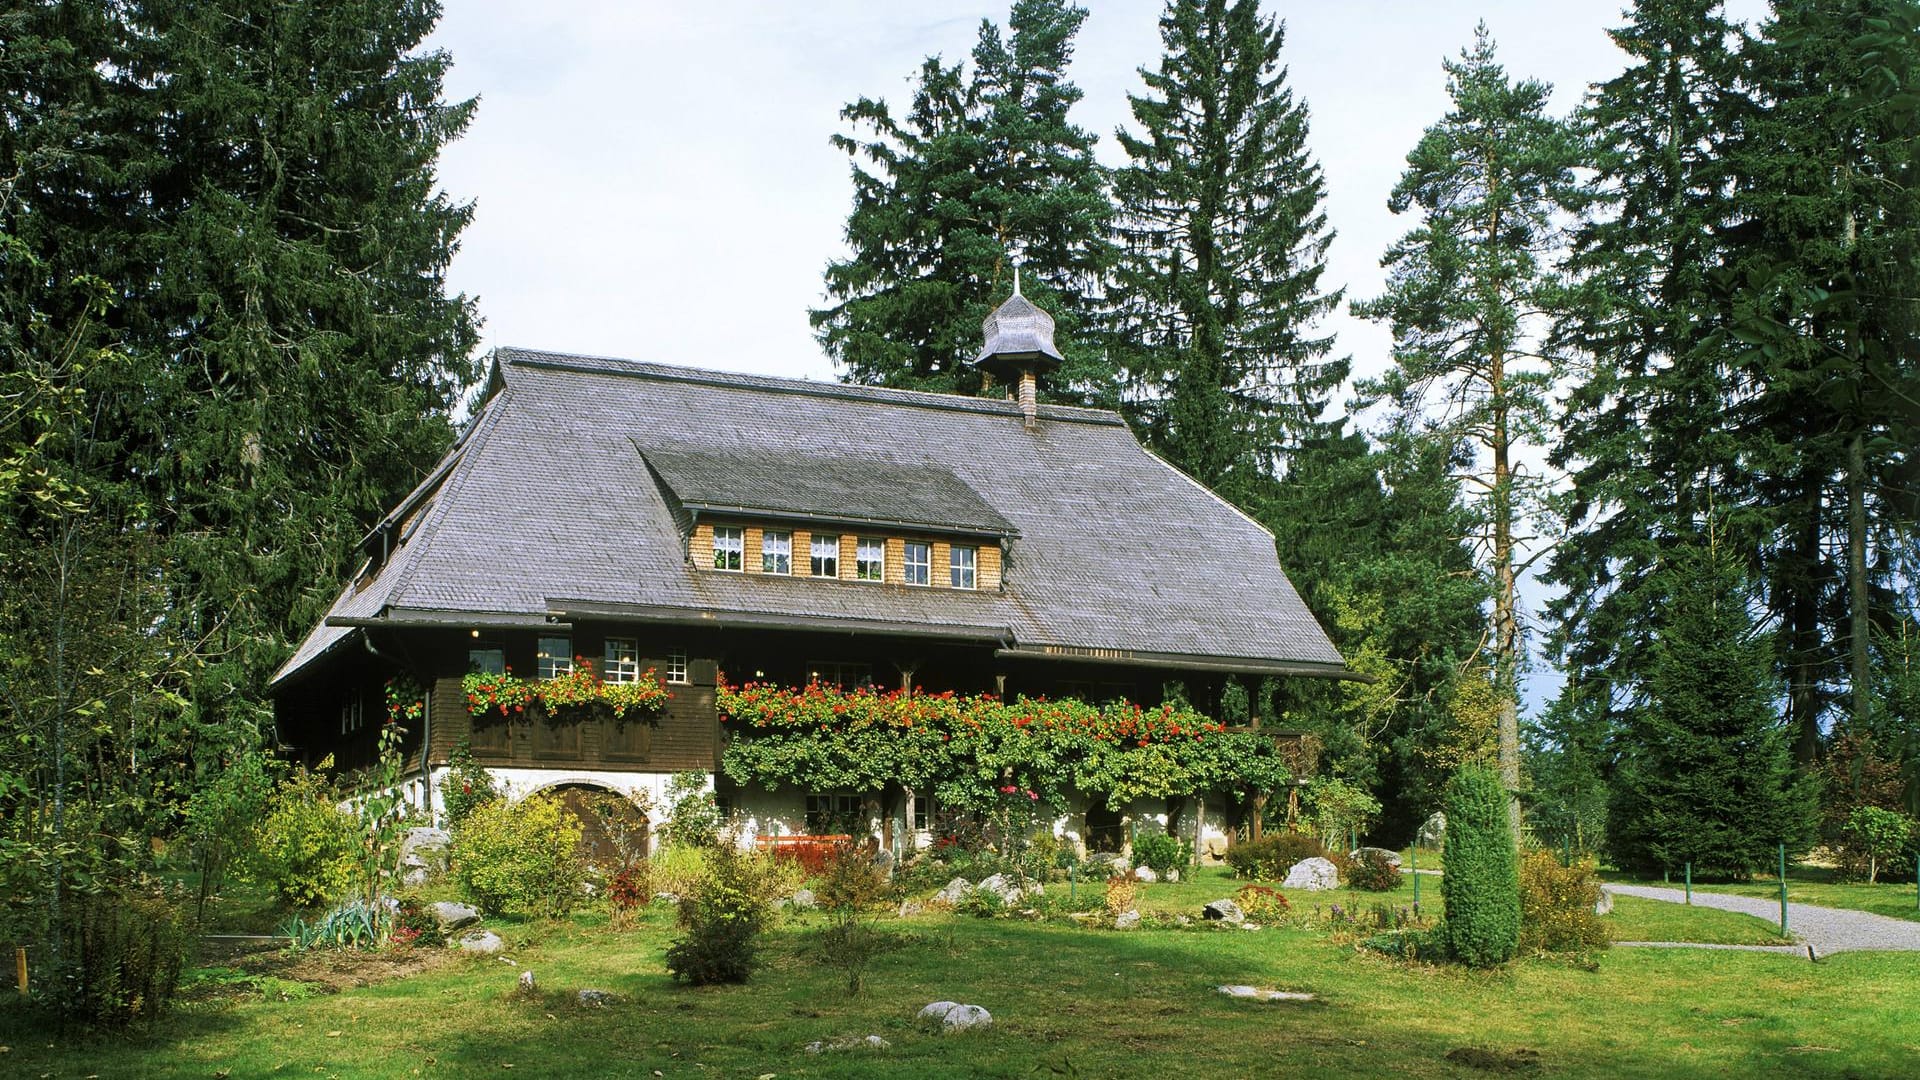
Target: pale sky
<point>653,180</point>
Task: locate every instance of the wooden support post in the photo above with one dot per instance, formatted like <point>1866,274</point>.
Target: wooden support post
<point>20,967</point>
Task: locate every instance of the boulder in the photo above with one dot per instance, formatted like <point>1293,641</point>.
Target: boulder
<point>847,1042</point>
<point>1313,875</point>
<point>1604,905</point>
<point>1435,830</point>
<point>910,908</point>
<point>1126,920</point>
<point>803,900</point>
<point>1224,911</point>
<point>1173,874</point>
<point>480,941</point>
<point>883,862</point>
<point>1214,848</point>
<point>1006,891</point>
<point>1392,857</point>
<point>423,855</point>
<point>598,999</point>
<point>528,984</point>
<point>666,898</point>
<point>956,891</point>
<point>1146,874</point>
<point>1104,862</point>
<point>452,916</point>
<point>951,1016</point>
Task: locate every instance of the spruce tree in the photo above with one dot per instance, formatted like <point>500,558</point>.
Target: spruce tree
<point>1465,289</point>
<point>1706,777</point>
<point>1481,888</point>
<point>1222,243</point>
<point>984,171</point>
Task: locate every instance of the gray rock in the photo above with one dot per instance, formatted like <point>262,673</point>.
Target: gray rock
<point>956,891</point>
<point>1105,862</point>
<point>666,898</point>
<point>1604,905</point>
<point>911,908</point>
<point>1435,830</point>
<point>1392,857</point>
<point>1313,875</point>
<point>847,1042</point>
<point>423,855</point>
<point>452,916</point>
<point>1224,911</point>
<point>528,984</point>
<point>951,1016</point>
<point>1214,848</point>
<point>1126,920</point>
<point>1258,993</point>
<point>883,862</point>
<point>598,999</point>
<point>1173,874</point>
<point>1145,873</point>
<point>804,901</point>
<point>480,941</point>
<point>999,886</point>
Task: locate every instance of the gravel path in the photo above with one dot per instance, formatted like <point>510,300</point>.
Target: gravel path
<point>1827,930</point>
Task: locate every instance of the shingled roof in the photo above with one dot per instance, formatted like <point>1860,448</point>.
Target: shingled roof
<point>560,499</point>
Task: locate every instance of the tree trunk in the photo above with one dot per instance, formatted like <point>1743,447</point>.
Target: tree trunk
<point>1861,629</point>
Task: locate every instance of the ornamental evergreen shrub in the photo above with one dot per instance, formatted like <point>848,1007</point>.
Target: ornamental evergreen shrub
<point>1481,887</point>
<point>1161,853</point>
<point>520,854</point>
<point>1557,905</point>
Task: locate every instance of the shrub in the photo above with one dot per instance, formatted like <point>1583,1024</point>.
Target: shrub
<point>1161,853</point>
<point>1121,890</point>
<point>308,848</point>
<point>468,785</point>
<point>221,818</point>
<point>692,816</point>
<point>122,954</point>
<point>1270,857</point>
<point>414,924</point>
<point>1262,903</point>
<point>1556,905</point>
<point>679,869</point>
<point>1373,871</point>
<point>1880,833</point>
<point>1481,888</point>
<point>630,888</point>
<point>852,882</point>
<point>522,854</point>
<point>724,919</point>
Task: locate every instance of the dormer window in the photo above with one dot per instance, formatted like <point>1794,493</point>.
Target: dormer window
<point>917,565</point>
<point>729,547</point>
<point>825,552</point>
<point>870,559</point>
<point>776,552</point>
<point>963,566</point>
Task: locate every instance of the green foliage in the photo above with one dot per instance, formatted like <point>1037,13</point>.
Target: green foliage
<point>1481,888</point>
<point>693,818</point>
<point>680,869</point>
<point>1270,857</point>
<point>222,818</point>
<point>983,172</point>
<point>724,917</point>
<point>1706,778</point>
<point>1161,853</point>
<point>1881,833</point>
<point>1373,871</point>
<point>521,854</point>
<point>852,886</point>
<point>1557,905</point>
<point>468,785</point>
<point>354,924</point>
<point>1262,904</point>
<point>380,813</point>
<point>1339,808</point>
<point>1223,239</point>
<point>120,958</point>
<point>307,847</point>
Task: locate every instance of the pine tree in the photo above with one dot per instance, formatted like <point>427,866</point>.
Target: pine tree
<point>1465,289</point>
<point>984,172</point>
<point>1222,240</point>
<point>1707,777</point>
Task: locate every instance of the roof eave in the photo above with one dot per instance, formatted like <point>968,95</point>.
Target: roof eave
<point>986,532</point>
<point>1232,665</point>
<point>571,610</point>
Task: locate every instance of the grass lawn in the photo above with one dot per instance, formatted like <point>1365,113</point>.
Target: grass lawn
<point>1635,919</point>
<point>1066,1001</point>
<point>1811,885</point>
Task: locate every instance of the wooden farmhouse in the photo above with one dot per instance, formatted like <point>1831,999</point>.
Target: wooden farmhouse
<point>633,521</point>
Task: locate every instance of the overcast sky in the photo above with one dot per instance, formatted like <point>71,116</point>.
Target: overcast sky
<point>653,180</point>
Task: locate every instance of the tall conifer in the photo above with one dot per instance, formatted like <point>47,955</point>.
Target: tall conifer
<point>1223,240</point>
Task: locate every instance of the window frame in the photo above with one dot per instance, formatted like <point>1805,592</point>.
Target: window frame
<point>823,549</point>
<point>924,566</point>
<point>677,667</point>
<point>620,670</point>
<point>971,570</point>
<point>878,562</point>
<point>735,546</point>
<point>548,666</point>
<point>767,553</point>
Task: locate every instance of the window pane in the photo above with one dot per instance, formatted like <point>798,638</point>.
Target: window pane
<point>487,661</point>
<point>776,553</point>
<point>962,563</point>
<point>622,662</point>
<point>676,667</point>
<point>825,551</point>
<point>918,563</point>
<point>729,544</point>
<point>870,559</point>
<point>555,657</point>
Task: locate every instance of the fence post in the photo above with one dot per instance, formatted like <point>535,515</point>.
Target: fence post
<point>20,967</point>
<point>1413,860</point>
<point>1783,890</point>
<point>1689,883</point>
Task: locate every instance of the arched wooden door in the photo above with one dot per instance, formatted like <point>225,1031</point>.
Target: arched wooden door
<point>613,831</point>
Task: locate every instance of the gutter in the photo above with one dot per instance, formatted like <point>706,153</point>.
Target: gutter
<point>565,612</point>
<point>1185,662</point>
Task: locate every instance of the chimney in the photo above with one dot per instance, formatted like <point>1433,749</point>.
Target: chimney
<point>1019,347</point>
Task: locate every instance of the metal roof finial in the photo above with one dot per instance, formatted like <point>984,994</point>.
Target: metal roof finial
<point>1016,279</point>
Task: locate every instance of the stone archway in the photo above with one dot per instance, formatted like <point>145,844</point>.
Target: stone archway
<point>613,830</point>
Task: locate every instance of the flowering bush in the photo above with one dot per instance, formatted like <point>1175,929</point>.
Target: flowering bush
<point>1262,903</point>
<point>509,695</point>
<point>968,749</point>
